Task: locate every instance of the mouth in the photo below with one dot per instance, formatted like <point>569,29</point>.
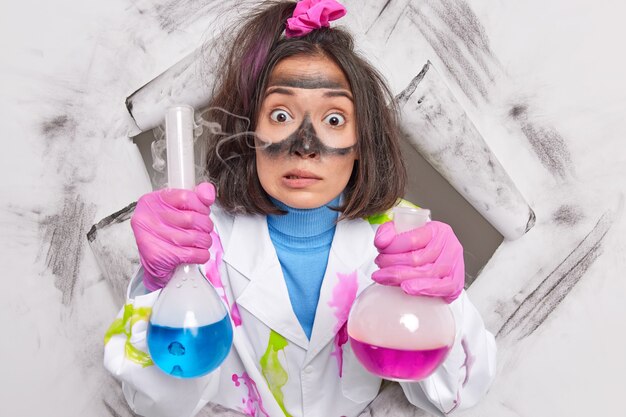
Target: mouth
<point>300,179</point>
<point>299,174</point>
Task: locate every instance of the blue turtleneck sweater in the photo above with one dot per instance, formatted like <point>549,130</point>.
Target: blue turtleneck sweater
<point>302,239</point>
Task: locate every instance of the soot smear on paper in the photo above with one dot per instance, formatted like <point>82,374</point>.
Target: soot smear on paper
<point>175,15</point>
<point>380,13</point>
<point>216,410</point>
<point>567,215</point>
<point>113,398</point>
<point>64,236</point>
<point>57,125</point>
<point>546,142</point>
<point>117,217</point>
<point>404,96</point>
<point>113,245</point>
<point>392,402</point>
<point>540,303</point>
<point>456,35</point>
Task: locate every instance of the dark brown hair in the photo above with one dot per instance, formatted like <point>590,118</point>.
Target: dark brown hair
<point>379,175</point>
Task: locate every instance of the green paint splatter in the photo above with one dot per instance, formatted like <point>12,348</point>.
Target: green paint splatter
<point>124,325</point>
<point>135,355</point>
<point>273,371</point>
<point>388,216</point>
<point>380,218</point>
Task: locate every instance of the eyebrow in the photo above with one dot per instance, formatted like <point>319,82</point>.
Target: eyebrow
<point>306,82</point>
<point>276,86</point>
<point>279,90</point>
<point>338,93</point>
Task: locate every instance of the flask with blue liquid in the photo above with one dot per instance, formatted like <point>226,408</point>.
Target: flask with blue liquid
<point>189,331</point>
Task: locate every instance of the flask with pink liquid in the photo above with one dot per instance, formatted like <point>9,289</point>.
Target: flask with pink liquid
<point>395,335</point>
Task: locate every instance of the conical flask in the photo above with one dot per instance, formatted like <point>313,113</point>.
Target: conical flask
<point>189,331</point>
<point>395,335</point>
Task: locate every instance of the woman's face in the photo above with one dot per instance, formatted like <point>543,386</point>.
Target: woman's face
<point>306,132</point>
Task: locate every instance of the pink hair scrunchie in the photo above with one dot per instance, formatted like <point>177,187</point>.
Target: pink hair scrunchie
<point>313,14</point>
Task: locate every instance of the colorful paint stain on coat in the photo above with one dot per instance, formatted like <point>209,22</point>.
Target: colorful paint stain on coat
<point>467,363</point>
<point>253,404</point>
<point>469,360</point>
<point>124,325</point>
<point>235,315</point>
<point>344,293</point>
<point>455,403</point>
<point>272,369</point>
<point>379,218</point>
<point>388,216</point>
<point>213,275</point>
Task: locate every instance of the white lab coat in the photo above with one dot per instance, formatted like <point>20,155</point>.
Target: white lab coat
<point>273,369</point>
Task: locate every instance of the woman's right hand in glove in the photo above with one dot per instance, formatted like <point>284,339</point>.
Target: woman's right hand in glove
<point>172,227</point>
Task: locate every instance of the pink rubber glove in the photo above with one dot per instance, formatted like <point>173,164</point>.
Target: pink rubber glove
<point>423,261</point>
<point>172,227</point>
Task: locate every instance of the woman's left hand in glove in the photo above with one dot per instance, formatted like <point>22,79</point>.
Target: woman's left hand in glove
<point>426,261</point>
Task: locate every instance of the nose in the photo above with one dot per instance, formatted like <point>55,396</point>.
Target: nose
<point>306,144</point>
<point>306,151</point>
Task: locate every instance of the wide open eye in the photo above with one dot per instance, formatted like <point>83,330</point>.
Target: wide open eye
<point>280,116</point>
<point>335,119</point>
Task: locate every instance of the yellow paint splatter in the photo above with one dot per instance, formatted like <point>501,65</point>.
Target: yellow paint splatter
<point>124,325</point>
<point>273,371</point>
<point>387,216</point>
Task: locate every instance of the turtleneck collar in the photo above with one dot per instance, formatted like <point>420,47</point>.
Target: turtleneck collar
<point>303,223</point>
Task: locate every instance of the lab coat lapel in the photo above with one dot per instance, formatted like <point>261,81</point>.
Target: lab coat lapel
<point>250,251</point>
<point>347,275</point>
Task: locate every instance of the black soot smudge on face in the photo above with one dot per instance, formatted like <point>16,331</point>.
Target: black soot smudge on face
<point>546,142</point>
<point>303,142</point>
<point>540,303</point>
<point>64,234</point>
<point>567,215</point>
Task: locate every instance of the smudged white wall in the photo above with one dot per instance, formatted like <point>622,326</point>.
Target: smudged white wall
<point>542,82</point>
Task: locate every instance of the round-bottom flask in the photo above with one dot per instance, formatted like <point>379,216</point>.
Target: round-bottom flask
<point>398,336</point>
<point>189,332</point>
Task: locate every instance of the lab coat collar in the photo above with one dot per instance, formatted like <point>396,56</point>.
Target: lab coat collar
<point>250,251</point>
<point>351,254</point>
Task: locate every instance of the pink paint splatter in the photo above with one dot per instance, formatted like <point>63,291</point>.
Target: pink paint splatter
<point>253,403</point>
<point>469,360</point>
<point>456,403</point>
<point>340,339</point>
<point>468,363</point>
<point>234,313</point>
<point>214,277</point>
<point>342,299</point>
